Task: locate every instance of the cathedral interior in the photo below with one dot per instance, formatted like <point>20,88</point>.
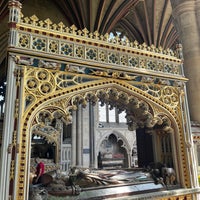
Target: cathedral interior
<point>105,93</point>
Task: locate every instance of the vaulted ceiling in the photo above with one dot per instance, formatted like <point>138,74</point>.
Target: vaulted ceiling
<point>148,21</point>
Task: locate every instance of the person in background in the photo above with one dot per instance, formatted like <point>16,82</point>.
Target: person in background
<point>39,170</point>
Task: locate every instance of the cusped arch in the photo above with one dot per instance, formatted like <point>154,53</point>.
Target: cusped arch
<point>118,135</point>
<point>140,111</point>
<point>118,94</point>
<point>139,107</point>
<point>45,124</point>
<point>115,93</point>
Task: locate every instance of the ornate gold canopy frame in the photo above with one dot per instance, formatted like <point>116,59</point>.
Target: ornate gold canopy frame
<point>57,68</point>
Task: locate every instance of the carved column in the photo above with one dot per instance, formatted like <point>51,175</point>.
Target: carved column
<point>9,138</point>
<point>186,15</point>
<point>14,18</point>
<point>8,132</point>
<point>91,133</point>
<point>129,159</point>
<point>79,148</point>
<point>191,160</point>
<point>73,160</point>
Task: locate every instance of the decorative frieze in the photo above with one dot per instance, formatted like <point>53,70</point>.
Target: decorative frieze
<point>40,82</point>
<point>101,55</point>
<point>44,37</point>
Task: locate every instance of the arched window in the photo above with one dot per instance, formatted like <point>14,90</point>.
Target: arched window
<point>111,115</point>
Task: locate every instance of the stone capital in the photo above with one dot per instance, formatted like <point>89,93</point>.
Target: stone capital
<point>14,3</point>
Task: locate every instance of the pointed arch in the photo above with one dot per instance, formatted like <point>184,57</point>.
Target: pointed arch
<point>136,102</point>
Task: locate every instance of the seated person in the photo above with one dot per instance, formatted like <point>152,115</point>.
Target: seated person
<point>39,170</point>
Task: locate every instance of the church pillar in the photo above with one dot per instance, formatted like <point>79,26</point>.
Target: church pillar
<point>8,131</point>
<point>186,21</point>
<point>191,160</point>
<point>9,149</point>
<point>91,134</point>
<point>198,13</point>
<point>129,159</point>
<point>79,136</point>
<point>73,158</point>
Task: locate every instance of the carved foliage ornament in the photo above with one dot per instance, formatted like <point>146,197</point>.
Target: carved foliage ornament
<point>47,124</point>
<point>138,112</point>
